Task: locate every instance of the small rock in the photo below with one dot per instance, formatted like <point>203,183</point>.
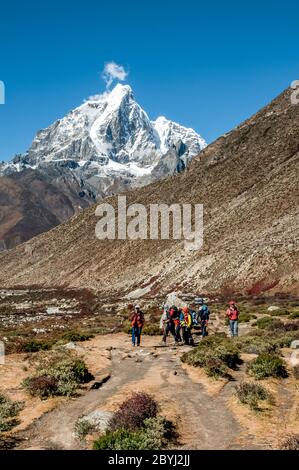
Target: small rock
<point>175,373</point>
<point>272,308</point>
<point>70,345</point>
<point>295,344</point>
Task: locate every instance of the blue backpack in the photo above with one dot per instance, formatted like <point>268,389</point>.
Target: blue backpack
<point>204,312</point>
<point>194,318</point>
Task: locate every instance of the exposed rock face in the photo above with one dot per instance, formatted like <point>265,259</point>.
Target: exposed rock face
<point>106,146</point>
<point>248,183</point>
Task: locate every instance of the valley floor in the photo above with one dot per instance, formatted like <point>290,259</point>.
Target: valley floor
<point>205,411</point>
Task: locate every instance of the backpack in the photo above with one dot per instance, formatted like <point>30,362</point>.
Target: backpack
<point>193,318</point>
<point>137,319</point>
<point>204,312</point>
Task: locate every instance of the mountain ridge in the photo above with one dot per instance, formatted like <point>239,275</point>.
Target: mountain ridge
<point>105,146</point>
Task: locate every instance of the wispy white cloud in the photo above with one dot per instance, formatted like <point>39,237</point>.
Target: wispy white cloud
<point>113,71</point>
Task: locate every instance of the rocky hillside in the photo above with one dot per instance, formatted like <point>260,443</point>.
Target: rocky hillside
<point>248,183</point>
<point>29,205</point>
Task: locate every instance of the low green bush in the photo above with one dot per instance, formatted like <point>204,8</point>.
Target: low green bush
<point>152,330</point>
<point>256,344</point>
<point>77,336</point>
<point>279,313</point>
<point>267,365</point>
<point>9,409</point>
<point>83,428</point>
<point>294,315</point>
<point>251,394</point>
<point>34,346</point>
<point>245,317</point>
<point>150,437</point>
<point>57,375</point>
<point>215,368</point>
<point>282,338</point>
<point>264,322</point>
<point>216,355</point>
<point>276,324</point>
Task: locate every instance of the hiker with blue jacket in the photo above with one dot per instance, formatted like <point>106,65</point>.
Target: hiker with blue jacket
<point>203,316</point>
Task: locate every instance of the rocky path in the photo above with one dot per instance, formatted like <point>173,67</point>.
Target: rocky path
<point>204,421</point>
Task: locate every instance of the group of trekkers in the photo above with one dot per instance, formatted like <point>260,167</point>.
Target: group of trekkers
<point>178,322</point>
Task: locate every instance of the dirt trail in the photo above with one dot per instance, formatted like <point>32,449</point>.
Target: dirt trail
<point>204,420</point>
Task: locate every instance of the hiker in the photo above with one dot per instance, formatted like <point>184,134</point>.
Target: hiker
<point>177,324</point>
<point>233,314</point>
<point>203,316</point>
<point>186,324</point>
<point>137,322</point>
<point>167,323</point>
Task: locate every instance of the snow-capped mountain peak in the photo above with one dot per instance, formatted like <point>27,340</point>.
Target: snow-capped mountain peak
<point>109,143</point>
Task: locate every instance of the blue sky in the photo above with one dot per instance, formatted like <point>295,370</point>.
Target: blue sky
<point>207,65</point>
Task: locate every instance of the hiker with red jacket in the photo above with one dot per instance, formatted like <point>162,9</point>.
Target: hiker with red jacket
<point>137,322</point>
<point>233,315</point>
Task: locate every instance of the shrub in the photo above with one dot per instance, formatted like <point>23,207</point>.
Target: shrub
<point>264,322</point>
<point>8,411</point>
<point>291,326</point>
<point>216,368</point>
<point>275,325</point>
<point>290,443</point>
<point>281,338</point>
<point>152,330</point>
<point>150,437</point>
<point>244,317</point>
<point>267,365</point>
<point>294,315</point>
<point>34,346</point>
<point>215,354</point>
<point>251,393</point>
<point>279,325</point>
<point>279,313</point>
<point>256,345</point>
<point>83,428</point>
<point>133,412</point>
<point>77,336</point>
<point>43,386</point>
<point>57,375</point>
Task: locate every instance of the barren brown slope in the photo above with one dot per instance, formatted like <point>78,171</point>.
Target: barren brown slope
<point>248,183</point>
<point>30,205</point>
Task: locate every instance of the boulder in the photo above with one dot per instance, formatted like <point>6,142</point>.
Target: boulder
<point>99,419</point>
